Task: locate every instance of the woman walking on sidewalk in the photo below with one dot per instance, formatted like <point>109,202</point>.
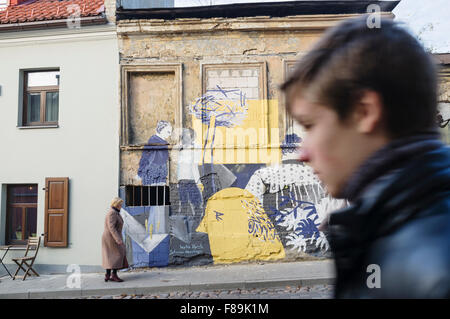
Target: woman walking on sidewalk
<point>113,248</point>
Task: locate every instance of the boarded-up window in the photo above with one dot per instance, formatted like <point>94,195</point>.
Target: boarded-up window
<point>152,98</point>
<point>151,93</point>
<point>56,212</point>
<point>151,103</point>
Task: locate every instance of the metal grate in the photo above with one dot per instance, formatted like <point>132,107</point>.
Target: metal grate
<point>147,195</point>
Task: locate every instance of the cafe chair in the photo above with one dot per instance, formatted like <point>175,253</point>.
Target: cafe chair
<point>28,261</point>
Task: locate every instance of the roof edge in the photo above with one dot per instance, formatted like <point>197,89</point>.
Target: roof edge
<point>273,9</point>
<point>442,58</point>
<point>46,24</point>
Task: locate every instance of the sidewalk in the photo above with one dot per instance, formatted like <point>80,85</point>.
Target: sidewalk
<point>163,280</point>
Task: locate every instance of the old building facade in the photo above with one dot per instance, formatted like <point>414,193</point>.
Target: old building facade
<point>207,154</point>
<point>177,111</point>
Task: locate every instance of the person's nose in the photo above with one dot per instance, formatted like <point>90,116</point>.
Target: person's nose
<point>304,155</point>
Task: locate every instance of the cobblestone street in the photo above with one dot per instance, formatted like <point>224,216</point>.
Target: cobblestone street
<point>286,292</point>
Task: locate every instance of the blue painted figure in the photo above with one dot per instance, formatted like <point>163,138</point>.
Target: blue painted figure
<point>153,164</point>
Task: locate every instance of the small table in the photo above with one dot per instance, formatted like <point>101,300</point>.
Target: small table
<point>8,248</point>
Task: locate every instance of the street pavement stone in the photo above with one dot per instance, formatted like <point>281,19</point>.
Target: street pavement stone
<point>287,292</point>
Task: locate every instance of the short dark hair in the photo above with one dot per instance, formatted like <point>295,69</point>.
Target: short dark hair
<point>351,58</point>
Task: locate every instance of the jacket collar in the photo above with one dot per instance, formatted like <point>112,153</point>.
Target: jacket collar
<point>115,209</point>
<point>389,157</point>
<point>388,202</point>
<point>397,195</point>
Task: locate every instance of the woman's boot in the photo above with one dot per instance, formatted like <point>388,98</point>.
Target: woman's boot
<point>107,275</point>
<point>115,278</point>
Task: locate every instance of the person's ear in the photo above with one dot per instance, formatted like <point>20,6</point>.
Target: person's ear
<point>368,112</point>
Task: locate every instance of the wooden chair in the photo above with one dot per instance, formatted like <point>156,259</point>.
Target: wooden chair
<point>28,261</point>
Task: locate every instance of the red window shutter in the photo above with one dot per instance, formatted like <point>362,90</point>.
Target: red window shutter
<point>56,212</point>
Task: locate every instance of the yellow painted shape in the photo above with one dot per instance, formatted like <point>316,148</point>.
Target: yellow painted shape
<point>151,231</point>
<point>255,140</point>
<point>239,229</point>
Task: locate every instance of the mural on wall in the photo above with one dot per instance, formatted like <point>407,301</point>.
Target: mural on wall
<point>294,199</point>
<point>186,245</point>
<point>188,173</point>
<point>153,164</point>
<point>443,116</point>
<point>147,228</point>
<point>238,194</point>
<point>217,108</point>
<point>239,229</point>
<point>146,232</point>
<point>145,239</point>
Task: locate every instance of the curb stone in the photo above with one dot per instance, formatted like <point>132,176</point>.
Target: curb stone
<point>166,290</point>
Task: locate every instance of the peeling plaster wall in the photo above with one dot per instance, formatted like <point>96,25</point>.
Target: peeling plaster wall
<point>223,47</point>
<point>152,96</point>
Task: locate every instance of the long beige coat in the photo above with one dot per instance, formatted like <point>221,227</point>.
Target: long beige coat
<point>113,248</point>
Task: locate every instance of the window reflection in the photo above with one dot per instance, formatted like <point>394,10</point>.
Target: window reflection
<point>43,79</point>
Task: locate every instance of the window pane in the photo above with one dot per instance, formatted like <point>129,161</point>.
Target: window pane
<point>31,214</point>
<point>161,195</point>
<point>51,106</point>
<point>129,195</point>
<point>153,194</point>
<point>145,196</point>
<point>16,223</point>
<point>23,194</point>
<point>43,78</point>
<point>34,107</point>
<point>137,196</point>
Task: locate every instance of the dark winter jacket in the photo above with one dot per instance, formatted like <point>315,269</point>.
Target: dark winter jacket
<point>398,226</point>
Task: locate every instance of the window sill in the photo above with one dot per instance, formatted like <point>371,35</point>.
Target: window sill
<point>37,126</point>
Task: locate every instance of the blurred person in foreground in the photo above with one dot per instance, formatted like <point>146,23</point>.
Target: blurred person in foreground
<point>367,99</point>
